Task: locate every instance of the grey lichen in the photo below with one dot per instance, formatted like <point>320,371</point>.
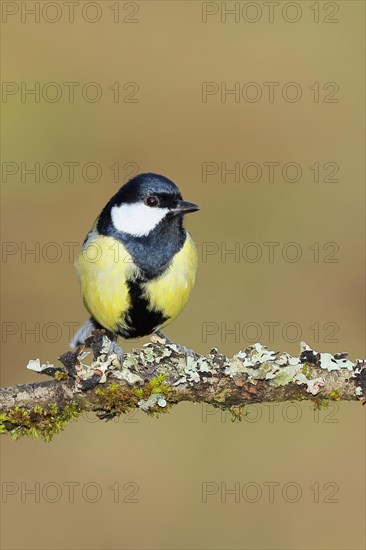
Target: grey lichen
<point>281,369</point>
<point>256,363</point>
<point>161,374</point>
<point>149,404</point>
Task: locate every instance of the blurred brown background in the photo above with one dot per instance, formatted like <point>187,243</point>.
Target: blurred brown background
<point>139,482</point>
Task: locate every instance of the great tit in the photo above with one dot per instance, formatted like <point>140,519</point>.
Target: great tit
<point>138,264</point>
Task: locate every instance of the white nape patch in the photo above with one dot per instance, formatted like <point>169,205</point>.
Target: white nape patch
<point>137,219</point>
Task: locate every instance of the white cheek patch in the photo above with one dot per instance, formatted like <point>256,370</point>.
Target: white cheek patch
<point>137,219</point>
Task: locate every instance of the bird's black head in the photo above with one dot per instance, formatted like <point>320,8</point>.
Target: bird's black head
<point>142,186</point>
<point>142,204</point>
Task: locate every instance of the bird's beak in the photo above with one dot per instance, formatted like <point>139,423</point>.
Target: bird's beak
<point>184,207</point>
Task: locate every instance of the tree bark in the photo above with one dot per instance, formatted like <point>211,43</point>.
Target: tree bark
<point>160,374</point>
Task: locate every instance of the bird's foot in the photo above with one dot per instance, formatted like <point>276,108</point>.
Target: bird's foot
<point>162,336</point>
<point>187,351</point>
<point>115,348</point>
<point>84,332</point>
<point>182,349</point>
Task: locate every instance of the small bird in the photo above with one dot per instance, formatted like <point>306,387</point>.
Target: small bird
<point>138,264</point>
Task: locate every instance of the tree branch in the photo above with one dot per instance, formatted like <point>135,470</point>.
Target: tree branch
<point>160,374</point>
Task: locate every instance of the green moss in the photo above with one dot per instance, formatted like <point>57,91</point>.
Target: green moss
<point>42,422</point>
<point>152,393</point>
<point>2,424</point>
<point>38,409</point>
<point>139,392</point>
<point>60,375</point>
<point>237,413</point>
<point>155,386</point>
<point>119,398</point>
<point>158,385</point>
<point>19,415</point>
<point>115,400</point>
<point>53,408</point>
<point>324,403</point>
<point>307,371</point>
<point>335,395</point>
<point>320,404</point>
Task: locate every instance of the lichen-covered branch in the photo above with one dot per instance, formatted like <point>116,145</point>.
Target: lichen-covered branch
<point>160,375</point>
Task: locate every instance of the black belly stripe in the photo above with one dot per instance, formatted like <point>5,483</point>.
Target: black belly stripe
<point>139,319</point>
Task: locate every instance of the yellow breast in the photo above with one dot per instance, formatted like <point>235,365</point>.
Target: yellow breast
<point>104,266</point>
<point>170,292</point>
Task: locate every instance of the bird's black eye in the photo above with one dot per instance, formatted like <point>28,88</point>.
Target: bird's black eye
<point>152,200</point>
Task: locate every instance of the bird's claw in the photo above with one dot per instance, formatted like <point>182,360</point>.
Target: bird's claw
<point>115,348</point>
<point>188,352</point>
<point>181,349</point>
